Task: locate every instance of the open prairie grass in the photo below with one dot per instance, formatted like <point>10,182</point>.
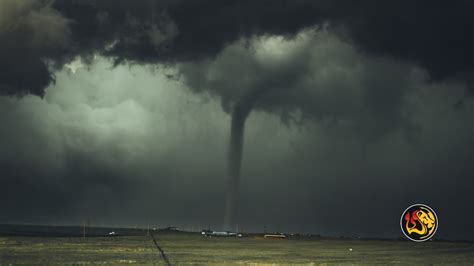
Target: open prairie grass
<point>195,249</point>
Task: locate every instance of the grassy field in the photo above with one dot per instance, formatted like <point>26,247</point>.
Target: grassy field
<point>194,249</point>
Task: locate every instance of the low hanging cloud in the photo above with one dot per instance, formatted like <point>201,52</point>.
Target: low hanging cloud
<point>313,76</point>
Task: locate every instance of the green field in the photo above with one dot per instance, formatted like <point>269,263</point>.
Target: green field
<point>195,249</point>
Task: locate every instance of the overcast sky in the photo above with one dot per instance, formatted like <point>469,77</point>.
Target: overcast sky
<point>119,112</point>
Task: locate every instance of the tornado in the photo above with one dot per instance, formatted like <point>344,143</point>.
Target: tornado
<point>239,115</point>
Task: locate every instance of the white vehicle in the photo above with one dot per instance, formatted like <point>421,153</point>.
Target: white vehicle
<point>275,236</point>
<point>217,233</point>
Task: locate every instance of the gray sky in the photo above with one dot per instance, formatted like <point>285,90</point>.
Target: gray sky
<point>345,136</point>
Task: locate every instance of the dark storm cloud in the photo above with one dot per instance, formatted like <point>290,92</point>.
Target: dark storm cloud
<point>434,34</point>
<point>193,29</point>
<point>438,35</point>
<point>31,33</point>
